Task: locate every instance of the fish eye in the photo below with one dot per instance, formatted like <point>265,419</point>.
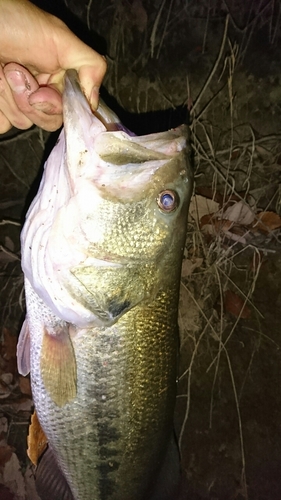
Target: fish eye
<point>167,200</point>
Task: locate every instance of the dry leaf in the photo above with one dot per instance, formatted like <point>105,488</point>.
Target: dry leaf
<point>8,351</point>
<point>225,200</point>
<point>3,427</point>
<point>36,440</point>
<point>217,223</point>
<point>6,385</point>
<point>209,193</point>
<point>235,305</point>
<point>189,265</point>
<point>215,226</point>
<point>24,384</point>
<point>23,403</point>
<point>200,206</point>
<point>268,221</point>
<point>12,478</point>
<point>240,212</point>
<point>5,493</point>
<point>5,454</point>
<point>189,315</point>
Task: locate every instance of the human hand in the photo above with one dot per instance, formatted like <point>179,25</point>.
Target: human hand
<point>41,48</point>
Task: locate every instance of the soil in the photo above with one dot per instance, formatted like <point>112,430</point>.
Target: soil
<point>216,64</point>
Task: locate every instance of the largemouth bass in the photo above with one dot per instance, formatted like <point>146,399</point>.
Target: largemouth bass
<point>102,248</point>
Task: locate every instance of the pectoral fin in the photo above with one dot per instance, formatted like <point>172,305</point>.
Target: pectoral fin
<point>58,365</point>
<point>111,291</point>
<point>23,350</point>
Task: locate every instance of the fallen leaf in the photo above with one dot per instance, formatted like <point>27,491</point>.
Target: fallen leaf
<point>225,200</point>
<point>268,221</point>
<point>241,213</point>
<point>209,193</point>
<point>5,454</point>
<point>3,427</point>
<point>216,223</point>
<point>20,404</point>
<point>200,206</point>
<point>235,305</point>
<point>5,493</point>
<point>8,351</point>
<point>189,265</point>
<point>24,384</point>
<point>6,385</point>
<point>7,378</point>
<point>36,440</point>
<point>12,477</point>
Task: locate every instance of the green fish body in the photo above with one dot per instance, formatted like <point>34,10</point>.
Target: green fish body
<point>102,248</point>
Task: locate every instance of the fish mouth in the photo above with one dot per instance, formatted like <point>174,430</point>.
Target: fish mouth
<point>104,114</point>
<point>102,131</point>
<point>96,217</point>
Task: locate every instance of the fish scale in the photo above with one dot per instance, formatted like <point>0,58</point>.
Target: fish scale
<point>101,252</point>
<point>114,381</point>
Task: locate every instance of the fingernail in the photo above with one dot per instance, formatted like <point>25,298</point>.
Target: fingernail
<point>17,81</point>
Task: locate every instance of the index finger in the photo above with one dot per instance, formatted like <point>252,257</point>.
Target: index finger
<point>91,66</point>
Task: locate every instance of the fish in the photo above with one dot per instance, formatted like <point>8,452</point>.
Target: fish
<point>102,247</point>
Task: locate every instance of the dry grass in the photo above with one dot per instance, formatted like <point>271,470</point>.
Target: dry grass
<point>214,151</point>
<point>227,153</point>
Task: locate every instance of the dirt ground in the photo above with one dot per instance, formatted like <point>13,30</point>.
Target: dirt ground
<point>217,64</point>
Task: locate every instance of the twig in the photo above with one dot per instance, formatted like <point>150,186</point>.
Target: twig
<point>11,222</point>
<point>198,99</point>
<point>154,29</point>
<point>165,29</point>
<point>88,10</point>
